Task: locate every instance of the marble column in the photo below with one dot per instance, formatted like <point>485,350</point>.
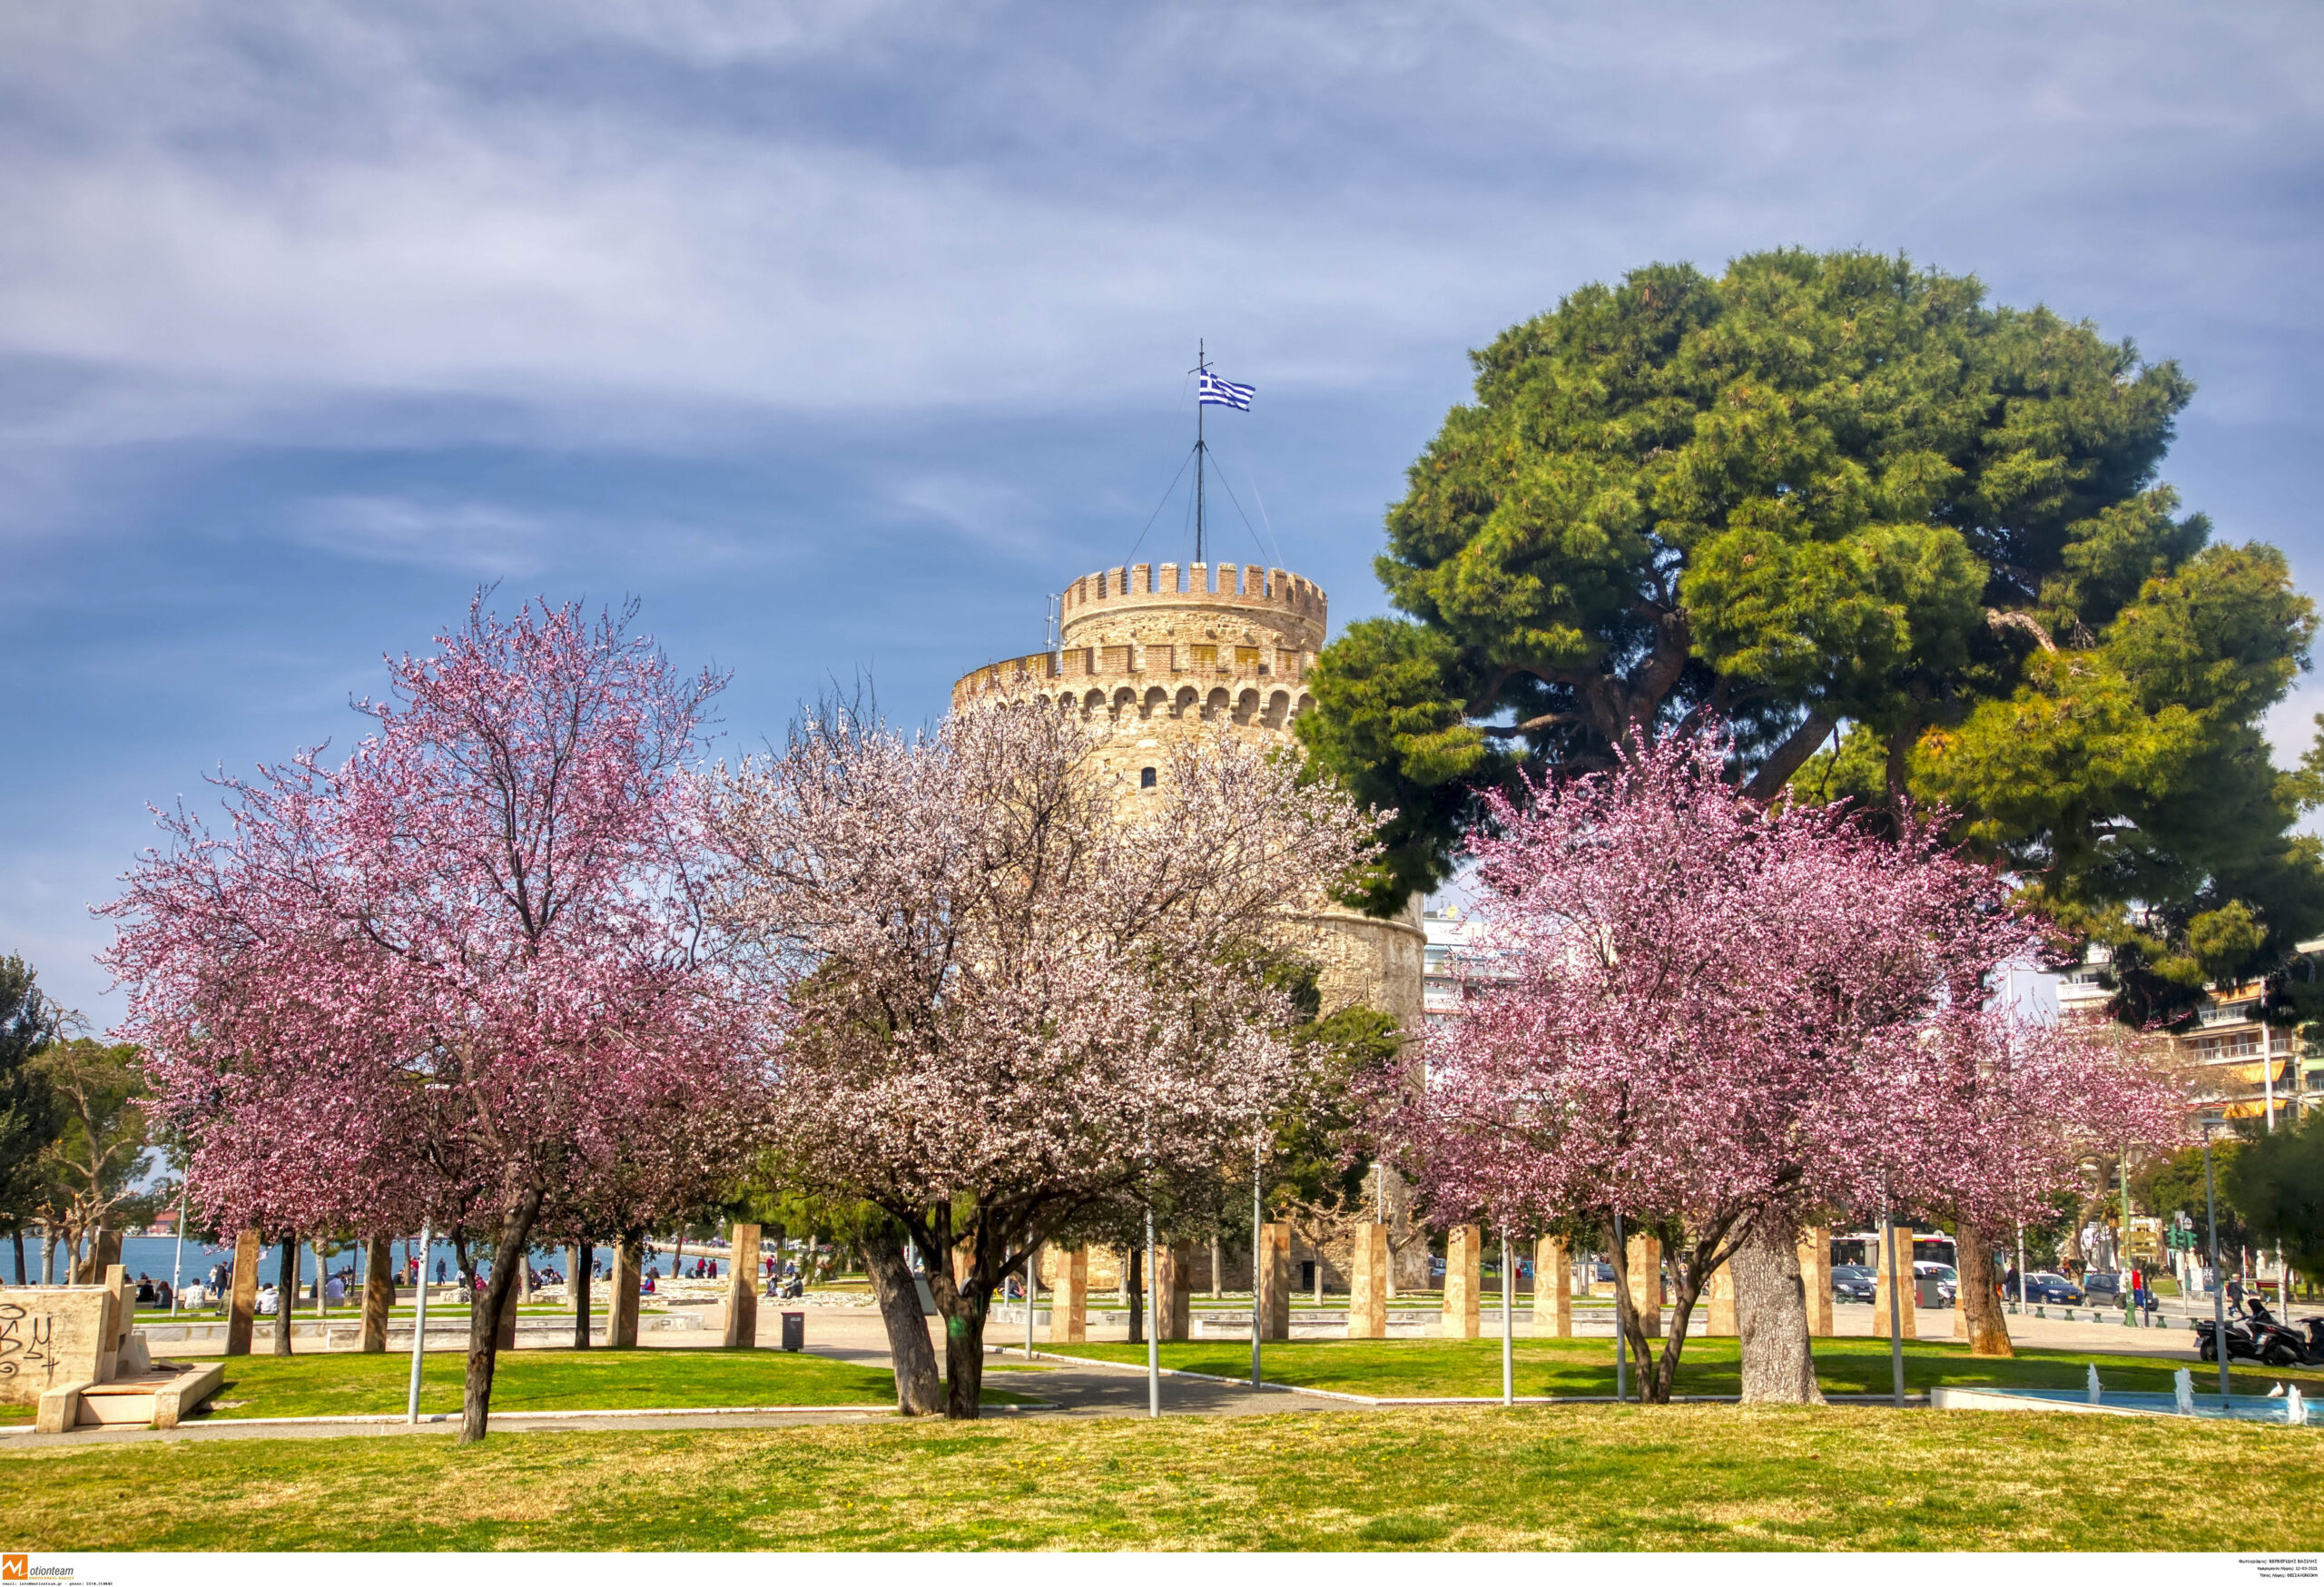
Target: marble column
<point>1367,1284</point>
<point>1643,1257</point>
<point>1270,1281</point>
<point>1552,1288</point>
<point>629,1271</point>
<point>241,1305</point>
<point>742,1289</point>
<point>1069,1284</point>
<point>1900,1255</point>
<point>1719,1302</point>
<point>1816,1278</point>
<point>1174,1289</point>
<point>1464,1263</point>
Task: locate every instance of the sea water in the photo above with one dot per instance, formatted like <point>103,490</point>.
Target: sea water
<point>160,1259</point>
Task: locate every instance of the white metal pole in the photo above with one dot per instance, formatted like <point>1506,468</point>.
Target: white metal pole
<point>1508,1324</point>
<point>1153,1325</point>
<point>1258,1224</point>
<point>177,1256</point>
<point>1032,1291</point>
<point>418,1327</point>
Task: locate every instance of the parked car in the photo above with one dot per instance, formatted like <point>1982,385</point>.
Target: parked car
<point>2102,1288</point>
<point>1602,1273</point>
<point>2052,1288</point>
<point>1852,1283</point>
<point>1949,1280</point>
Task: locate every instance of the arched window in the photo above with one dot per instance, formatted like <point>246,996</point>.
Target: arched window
<point>1146,777</point>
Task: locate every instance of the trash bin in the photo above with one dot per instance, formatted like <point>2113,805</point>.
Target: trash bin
<point>795,1330</point>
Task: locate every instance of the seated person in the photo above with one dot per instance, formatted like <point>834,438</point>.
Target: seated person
<point>268,1299</point>
<point>336,1290</point>
<point>144,1290</point>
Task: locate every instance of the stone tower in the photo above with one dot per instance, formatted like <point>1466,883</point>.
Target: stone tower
<point>1152,654</point>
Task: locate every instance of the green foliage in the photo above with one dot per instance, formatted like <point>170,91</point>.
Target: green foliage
<point>2174,1184</point>
<point>100,1153</point>
<point>2277,1182</point>
<point>29,1116</point>
<point>1907,543</point>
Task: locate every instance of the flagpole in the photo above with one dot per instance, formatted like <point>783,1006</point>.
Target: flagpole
<point>1200,446</point>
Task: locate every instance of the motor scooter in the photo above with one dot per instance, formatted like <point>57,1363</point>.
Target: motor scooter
<point>2240,1344</point>
<point>2280,1345</point>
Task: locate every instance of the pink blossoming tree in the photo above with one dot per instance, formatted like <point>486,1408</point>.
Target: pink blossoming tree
<point>461,976</point>
<point>1711,1018</point>
<point>1015,989</point>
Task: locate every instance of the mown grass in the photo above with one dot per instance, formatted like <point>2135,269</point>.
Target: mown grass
<point>1609,1477</point>
<point>354,1385</point>
<point>1458,1367</point>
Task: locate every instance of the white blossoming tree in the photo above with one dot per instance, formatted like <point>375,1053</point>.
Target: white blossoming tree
<point>1003,996</point>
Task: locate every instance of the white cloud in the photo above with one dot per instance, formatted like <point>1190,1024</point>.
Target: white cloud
<point>459,538</point>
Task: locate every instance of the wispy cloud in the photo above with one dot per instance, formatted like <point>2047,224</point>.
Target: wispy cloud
<point>460,536</point>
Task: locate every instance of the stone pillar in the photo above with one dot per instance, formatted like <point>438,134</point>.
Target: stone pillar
<point>241,1303</point>
<point>1900,1255</point>
<point>1069,1297</point>
<point>629,1271</point>
<point>1271,1280</point>
<point>1815,1277</point>
<point>1644,1261</point>
<point>742,1289</point>
<point>378,1291</point>
<point>1553,1289</point>
<point>1174,1289</point>
<point>1367,1282</point>
<point>1719,1302</point>
<point>1464,1263</point>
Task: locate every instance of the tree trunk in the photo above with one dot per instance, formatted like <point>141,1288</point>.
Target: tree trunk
<point>964,1314</point>
<point>917,1391</point>
<point>286,1293</point>
<point>48,1255</point>
<point>577,1287</point>
<point>1980,1308</point>
<point>1771,1318</point>
<point>1133,1291</point>
<point>484,1313</point>
<point>378,1291</point>
<point>1216,1262</point>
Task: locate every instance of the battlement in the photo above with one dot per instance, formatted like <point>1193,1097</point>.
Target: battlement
<point>1246,587</point>
<point>1068,671</point>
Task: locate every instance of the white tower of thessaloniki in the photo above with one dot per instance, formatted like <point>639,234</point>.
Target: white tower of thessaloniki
<point>1152,654</point>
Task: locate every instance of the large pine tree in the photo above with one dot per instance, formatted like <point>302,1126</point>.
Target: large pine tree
<point>1905,543</point>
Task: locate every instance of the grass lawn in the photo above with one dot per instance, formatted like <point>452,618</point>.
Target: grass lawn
<point>1452,1367</point>
<point>1579,1477</point>
<point>347,1383</point>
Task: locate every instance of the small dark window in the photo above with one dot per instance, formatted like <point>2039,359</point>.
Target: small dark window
<point>1146,777</point>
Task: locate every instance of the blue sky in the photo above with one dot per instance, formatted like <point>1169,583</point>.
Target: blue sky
<point>840,334</point>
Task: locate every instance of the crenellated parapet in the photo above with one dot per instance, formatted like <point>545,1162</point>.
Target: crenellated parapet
<point>1283,602</point>
<point>1187,632</point>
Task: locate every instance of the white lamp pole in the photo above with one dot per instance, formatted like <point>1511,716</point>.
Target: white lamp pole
<point>418,1327</point>
<point>1508,1324</point>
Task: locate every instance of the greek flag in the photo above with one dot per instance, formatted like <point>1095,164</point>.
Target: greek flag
<point>1222,394</point>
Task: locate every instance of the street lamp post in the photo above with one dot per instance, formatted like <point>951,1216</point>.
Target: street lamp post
<point>1622,1339</point>
<point>1258,1220</point>
<point>2219,1290</point>
<point>1895,1318</point>
<point>419,1327</point>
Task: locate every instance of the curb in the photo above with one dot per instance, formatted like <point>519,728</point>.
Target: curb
<point>1912,1402</point>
